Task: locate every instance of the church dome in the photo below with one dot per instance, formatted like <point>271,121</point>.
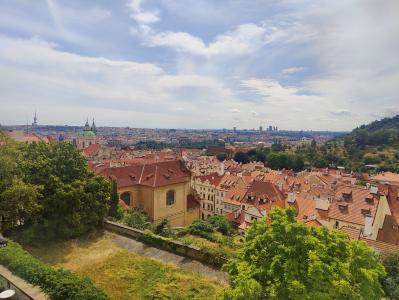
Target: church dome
<point>87,134</point>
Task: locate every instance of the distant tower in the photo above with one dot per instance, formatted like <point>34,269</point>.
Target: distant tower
<point>93,127</point>
<point>234,129</point>
<point>34,124</point>
<point>260,128</point>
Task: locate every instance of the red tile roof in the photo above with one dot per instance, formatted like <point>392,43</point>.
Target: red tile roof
<point>352,203</point>
<point>352,233</point>
<point>153,175</point>
<point>381,246</point>
<point>91,150</point>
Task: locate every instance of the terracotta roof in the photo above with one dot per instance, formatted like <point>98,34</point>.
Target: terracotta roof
<point>154,175</point>
<point>381,246</point>
<point>214,179</point>
<point>387,176</point>
<point>307,211</point>
<point>353,233</point>
<point>91,150</point>
<point>235,196</point>
<point>351,204</point>
<point>389,233</point>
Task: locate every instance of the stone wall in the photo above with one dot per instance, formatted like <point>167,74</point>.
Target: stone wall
<point>166,244</point>
<point>23,290</point>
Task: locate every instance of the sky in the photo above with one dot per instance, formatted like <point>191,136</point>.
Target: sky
<point>295,64</point>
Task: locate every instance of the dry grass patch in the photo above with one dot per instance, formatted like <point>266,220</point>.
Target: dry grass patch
<point>124,275</point>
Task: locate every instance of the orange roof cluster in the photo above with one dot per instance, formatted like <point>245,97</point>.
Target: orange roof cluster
<point>352,204</point>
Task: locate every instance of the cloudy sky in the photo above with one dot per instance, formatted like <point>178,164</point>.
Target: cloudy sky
<point>296,64</point>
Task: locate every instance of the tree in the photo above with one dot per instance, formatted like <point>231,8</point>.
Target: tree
<point>114,200</point>
<point>241,157</point>
<point>221,224</point>
<point>19,205</point>
<point>49,187</point>
<point>284,259</point>
<point>391,282</point>
<point>221,156</point>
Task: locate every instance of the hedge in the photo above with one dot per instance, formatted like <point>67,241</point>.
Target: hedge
<point>58,284</point>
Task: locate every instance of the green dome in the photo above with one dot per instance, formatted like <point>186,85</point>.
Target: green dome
<point>87,134</point>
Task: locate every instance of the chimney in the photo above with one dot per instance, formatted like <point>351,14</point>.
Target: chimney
<point>291,197</point>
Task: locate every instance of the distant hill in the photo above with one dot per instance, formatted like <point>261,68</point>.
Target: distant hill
<point>384,132</point>
<point>374,144</point>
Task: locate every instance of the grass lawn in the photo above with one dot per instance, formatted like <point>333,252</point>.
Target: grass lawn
<point>125,275</point>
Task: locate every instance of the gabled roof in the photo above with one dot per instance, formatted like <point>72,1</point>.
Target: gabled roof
<point>153,175</point>
<point>352,233</point>
<point>352,204</point>
<point>387,176</point>
<point>91,150</point>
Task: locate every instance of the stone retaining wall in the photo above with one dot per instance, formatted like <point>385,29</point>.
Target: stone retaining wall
<point>165,244</point>
<point>23,290</point>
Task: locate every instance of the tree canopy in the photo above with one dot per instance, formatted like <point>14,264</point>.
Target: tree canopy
<point>284,259</point>
<point>47,189</point>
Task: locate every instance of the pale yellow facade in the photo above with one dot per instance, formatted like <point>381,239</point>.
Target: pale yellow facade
<point>153,201</point>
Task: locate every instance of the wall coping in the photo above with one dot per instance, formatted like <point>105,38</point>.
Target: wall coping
<point>26,288</point>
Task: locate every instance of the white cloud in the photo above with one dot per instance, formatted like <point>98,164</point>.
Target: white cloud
<point>292,70</point>
<point>74,83</point>
<point>140,15</point>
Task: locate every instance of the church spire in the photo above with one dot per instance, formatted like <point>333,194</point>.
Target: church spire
<point>93,127</point>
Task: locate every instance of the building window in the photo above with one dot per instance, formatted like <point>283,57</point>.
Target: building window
<point>126,198</point>
<point>170,198</point>
<point>336,224</point>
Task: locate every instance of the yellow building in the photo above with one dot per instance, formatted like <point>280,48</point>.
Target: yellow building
<point>162,189</point>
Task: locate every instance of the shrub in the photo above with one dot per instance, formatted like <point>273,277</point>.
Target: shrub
<point>163,228</point>
<point>221,224</point>
<point>57,283</point>
<point>136,218</point>
<point>201,228</point>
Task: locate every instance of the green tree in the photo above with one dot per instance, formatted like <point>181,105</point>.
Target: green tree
<point>285,259</point>
<point>19,205</point>
<point>221,224</point>
<point>221,156</point>
<point>391,282</point>
<point>114,200</point>
<point>241,157</point>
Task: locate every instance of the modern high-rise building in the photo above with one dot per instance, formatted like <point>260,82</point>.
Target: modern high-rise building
<point>260,128</point>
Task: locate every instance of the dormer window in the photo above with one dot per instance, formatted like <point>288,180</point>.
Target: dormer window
<point>343,206</point>
<point>366,211</point>
<point>369,199</point>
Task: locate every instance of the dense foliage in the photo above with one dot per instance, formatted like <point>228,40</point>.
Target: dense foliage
<point>136,218</point>
<point>57,283</point>
<point>206,228</point>
<point>285,259</point>
<point>47,191</point>
<point>372,147</point>
<point>391,282</point>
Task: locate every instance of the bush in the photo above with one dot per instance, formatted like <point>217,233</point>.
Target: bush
<point>163,228</point>
<point>56,283</point>
<point>221,224</point>
<point>391,282</point>
<point>136,218</point>
<point>201,228</point>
